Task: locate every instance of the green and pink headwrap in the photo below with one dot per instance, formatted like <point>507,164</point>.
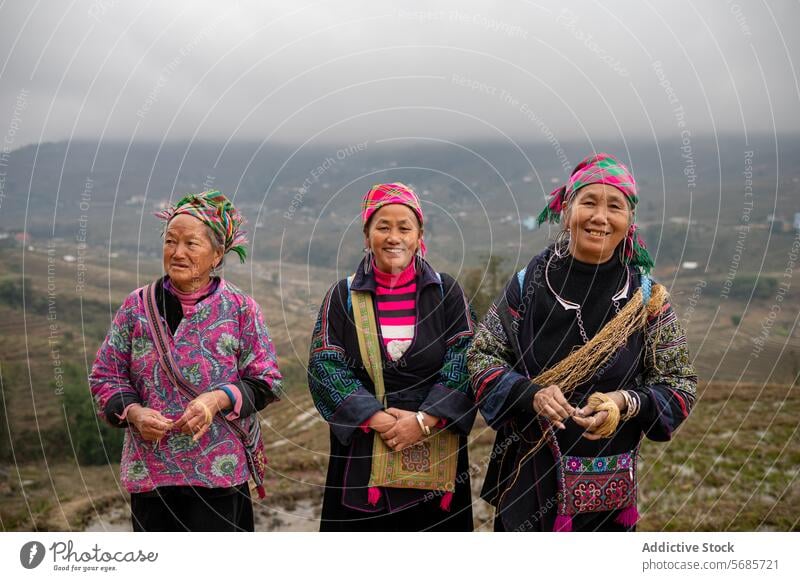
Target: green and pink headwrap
<point>216,211</point>
<point>602,168</point>
<point>382,195</point>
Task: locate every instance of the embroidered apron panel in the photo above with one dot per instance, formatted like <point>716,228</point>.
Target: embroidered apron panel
<point>593,484</point>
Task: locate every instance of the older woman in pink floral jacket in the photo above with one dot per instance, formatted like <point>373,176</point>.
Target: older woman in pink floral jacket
<point>184,368</point>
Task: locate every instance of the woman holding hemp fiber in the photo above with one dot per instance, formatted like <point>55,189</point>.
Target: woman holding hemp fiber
<point>579,358</point>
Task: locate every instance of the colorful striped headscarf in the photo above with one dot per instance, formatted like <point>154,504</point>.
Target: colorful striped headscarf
<point>381,195</point>
<point>215,210</point>
<point>602,168</point>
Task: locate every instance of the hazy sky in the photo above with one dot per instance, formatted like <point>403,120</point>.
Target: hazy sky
<point>346,71</point>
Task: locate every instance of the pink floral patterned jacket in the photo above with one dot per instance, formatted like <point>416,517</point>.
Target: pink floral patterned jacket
<point>220,340</point>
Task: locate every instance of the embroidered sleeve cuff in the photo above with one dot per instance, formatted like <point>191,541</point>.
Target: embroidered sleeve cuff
<point>235,395</point>
<point>456,407</point>
<point>522,396</point>
<point>123,417</point>
<point>511,397</point>
<point>116,409</point>
<point>652,417</point>
<point>352,413</point>
<point>253,395</point>
<point>365,426</point>
<point>645,405</point>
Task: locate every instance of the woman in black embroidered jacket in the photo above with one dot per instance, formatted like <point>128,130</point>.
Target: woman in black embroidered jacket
<point>561,462</point>
<point>424,326</point>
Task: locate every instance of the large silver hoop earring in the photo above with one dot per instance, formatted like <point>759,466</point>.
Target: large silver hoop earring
<point>418,261</point>
<point>623,255</point>
<point>367,260</point>
<point>561,245</point>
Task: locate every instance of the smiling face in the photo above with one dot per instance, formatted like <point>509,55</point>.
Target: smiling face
<point>598,218</point>
<point>393,235</point>
<point>189,254</point>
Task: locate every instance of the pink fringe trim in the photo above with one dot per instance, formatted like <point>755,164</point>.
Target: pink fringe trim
<point>446,501</point>
<point>261,492</point>
<point>563,524</point>
<point>373,495</point>
<point>628,517</point>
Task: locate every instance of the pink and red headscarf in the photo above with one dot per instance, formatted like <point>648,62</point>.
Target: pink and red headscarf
<point>384,194</point>
<point>602,168</point>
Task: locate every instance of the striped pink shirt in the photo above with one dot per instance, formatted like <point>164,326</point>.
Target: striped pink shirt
<point>397,310</point>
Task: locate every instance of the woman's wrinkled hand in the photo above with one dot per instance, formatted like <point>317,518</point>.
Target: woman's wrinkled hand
<point>197,418</point>
<point>588,419</point>
<point>148,422</point>
<point>405,432</point>
<point>551,403</point>
<point>381,421</point>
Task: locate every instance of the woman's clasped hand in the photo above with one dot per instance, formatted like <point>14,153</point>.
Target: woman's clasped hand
<point>400,428</point>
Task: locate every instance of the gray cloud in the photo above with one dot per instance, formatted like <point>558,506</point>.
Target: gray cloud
<point>346,71</point>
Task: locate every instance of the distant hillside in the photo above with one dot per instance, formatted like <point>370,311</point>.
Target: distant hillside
<point>57,297</point>
<point>302,204</point>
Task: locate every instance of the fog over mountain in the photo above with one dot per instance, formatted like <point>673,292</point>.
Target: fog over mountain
<point>343,72</point>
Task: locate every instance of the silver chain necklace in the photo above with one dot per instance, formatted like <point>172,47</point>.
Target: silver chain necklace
<point>571,306</point>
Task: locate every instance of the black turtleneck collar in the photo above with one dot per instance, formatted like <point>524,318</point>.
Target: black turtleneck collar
<point>579,281</point>
<point>593,286</point>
